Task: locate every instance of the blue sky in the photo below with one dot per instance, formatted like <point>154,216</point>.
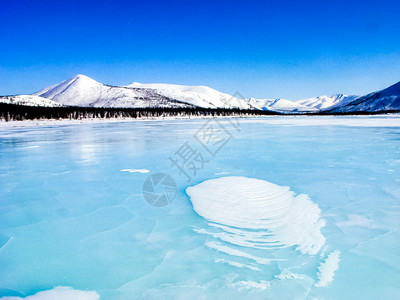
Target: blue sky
<point>264,49</point>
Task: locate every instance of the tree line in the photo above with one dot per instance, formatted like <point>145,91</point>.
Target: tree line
<point>13,112</point>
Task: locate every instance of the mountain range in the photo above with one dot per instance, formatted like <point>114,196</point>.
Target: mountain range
<point>86,92</point>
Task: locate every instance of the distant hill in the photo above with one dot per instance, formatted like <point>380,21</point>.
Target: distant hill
<point>384,100</point>
<point>29,100</point>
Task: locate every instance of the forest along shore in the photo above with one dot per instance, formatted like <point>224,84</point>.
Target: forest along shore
<point>13,112</point>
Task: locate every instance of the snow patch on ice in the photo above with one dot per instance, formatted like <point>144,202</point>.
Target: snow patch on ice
<point>261,285</point>
<point>235,252</point>
<point>260,213</point>
<point>286,274</point>
<point>328,268</point>
<point>237,264</point>
<point>221,173</point>
<point>135,170</point>
<point>357,220</point>
<point>59,293</point>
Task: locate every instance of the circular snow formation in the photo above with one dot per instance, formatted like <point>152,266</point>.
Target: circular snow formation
<point>256,213</point>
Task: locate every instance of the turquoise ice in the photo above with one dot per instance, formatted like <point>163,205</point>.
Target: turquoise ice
<point>72,212</point>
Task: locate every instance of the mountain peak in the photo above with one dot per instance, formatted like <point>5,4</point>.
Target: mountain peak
<point>83,79</point>
<point>72,91</point>
<point>80,76</point>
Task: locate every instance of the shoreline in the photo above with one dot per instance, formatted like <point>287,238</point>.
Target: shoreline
<point>47,122</point>
<point>384,120</point>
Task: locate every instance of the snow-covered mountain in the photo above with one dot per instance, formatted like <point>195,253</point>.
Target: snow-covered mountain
<point>384,100</point>
<point>280,105</point>
<point>84,91</point>
<point>315,104</point>
<point>327,102</point>
<point>29,100</point>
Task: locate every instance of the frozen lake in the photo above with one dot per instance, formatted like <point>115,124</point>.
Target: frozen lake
<point>72,211</point>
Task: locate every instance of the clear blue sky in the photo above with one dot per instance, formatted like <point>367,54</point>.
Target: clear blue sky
<point>264,49</point>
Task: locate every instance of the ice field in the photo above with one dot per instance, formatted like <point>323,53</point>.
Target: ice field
<point>262,208</point>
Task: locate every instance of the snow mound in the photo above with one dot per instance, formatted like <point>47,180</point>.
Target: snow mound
<point>259,214</point>
<point>59,293</point>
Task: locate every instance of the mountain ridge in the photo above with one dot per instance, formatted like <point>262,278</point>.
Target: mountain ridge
<point>84,91</point>
<point>81,90</point>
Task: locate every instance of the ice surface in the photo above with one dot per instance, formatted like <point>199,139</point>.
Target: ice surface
<point>70,217</point>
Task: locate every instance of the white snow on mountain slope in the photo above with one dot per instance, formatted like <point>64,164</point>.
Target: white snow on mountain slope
<point>280,105</point>
<point>29,100</point>
<point>325,102</point>
<point>386,99</point>
<point>284,105</point>
<point>84,91</point>
<point>202,96</point>
<point>260,103</point>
